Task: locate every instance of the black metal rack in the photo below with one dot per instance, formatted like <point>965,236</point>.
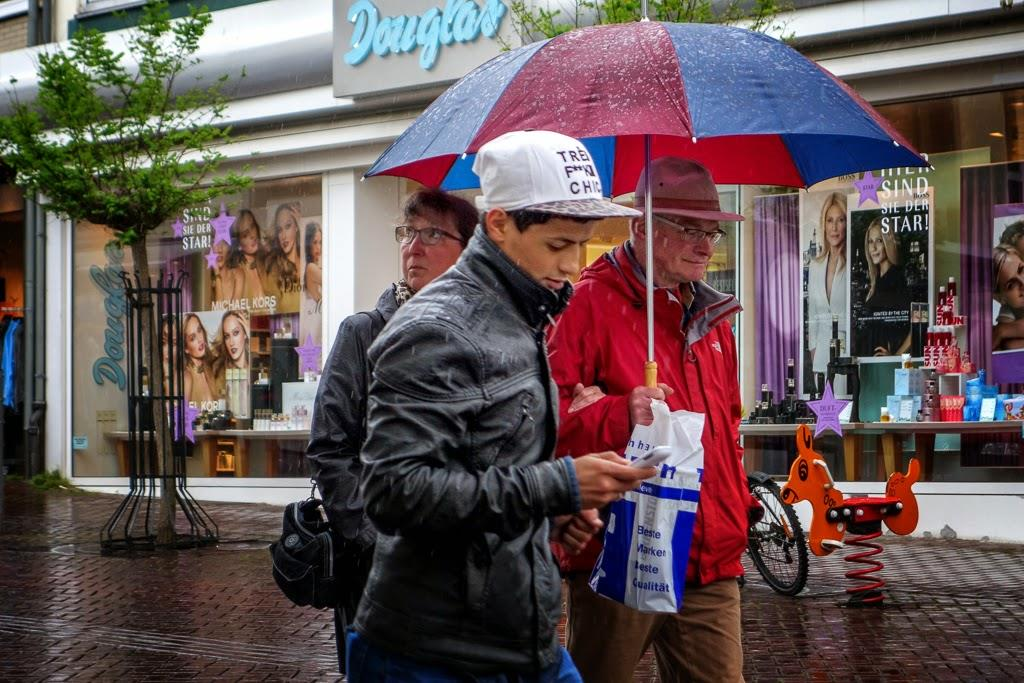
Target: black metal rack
<point>156,415</point>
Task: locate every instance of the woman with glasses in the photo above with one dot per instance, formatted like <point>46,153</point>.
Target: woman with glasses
<point>435,228</point>
<point>429,247</point>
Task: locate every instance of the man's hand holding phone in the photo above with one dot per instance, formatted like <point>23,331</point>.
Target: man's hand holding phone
<point>653,457</point>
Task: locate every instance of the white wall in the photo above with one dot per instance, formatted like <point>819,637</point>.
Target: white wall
<point>360,252</point>
<point>57,424</point>
<point>378,209</point>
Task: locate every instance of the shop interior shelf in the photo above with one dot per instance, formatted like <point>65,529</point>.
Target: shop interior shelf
<point>286,434</point>
<point>890,435</point>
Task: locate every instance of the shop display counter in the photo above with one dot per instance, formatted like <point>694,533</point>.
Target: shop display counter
<point>890,436</point>
<point>236,452</point>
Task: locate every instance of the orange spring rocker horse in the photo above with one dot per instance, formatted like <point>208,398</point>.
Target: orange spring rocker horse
<point>833,516</point>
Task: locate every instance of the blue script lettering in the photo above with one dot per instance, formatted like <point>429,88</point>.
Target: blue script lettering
<point>108,367</point>
<point>462,21</point>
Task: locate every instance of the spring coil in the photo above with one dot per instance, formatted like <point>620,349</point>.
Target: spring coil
<point>870,591</point>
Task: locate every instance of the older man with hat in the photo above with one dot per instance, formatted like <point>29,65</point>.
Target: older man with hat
<point>597,353</point>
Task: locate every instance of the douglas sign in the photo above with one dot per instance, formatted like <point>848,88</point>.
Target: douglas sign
<point>375,41</point>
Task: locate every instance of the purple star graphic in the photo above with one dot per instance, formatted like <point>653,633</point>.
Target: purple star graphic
<point>868,188</point>
<point>309,355</point>
<point>191,413</point>
<point>827,410</point>
<point>222,226</point>
<point>211,259</point>
<point>179,227</point>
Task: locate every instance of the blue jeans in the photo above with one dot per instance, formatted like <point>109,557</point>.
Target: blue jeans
<point>367,663</point>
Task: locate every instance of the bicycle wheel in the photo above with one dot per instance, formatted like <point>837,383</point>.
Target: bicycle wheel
<point>776,543</point>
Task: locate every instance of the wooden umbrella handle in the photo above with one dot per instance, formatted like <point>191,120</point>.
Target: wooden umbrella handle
<point>651,374</point>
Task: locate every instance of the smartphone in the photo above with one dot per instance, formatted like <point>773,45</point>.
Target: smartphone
<point>653,457</point>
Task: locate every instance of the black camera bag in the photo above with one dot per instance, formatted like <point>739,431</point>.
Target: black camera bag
<point>304,562</point>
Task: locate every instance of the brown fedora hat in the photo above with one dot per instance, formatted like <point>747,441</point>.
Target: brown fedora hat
<point>682,188</point>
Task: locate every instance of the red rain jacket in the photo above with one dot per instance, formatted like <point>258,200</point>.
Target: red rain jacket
<point>601,339</point>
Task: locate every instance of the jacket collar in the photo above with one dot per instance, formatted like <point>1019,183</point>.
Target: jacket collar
<point>704,295</point>
<point>707,308</point>
<point>387,304</point>
<point>485,260</point>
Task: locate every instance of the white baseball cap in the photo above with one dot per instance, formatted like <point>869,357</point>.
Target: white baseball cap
<point>542,171</point>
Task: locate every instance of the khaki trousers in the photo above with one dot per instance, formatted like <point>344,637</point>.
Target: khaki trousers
<point>699,643</point>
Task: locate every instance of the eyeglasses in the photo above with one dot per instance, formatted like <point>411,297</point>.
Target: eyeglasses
<point>694,235</point>
<point>429,236</point>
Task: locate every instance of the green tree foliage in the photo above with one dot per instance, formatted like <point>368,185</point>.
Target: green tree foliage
<point>536,22</point>
<point>112,138</point>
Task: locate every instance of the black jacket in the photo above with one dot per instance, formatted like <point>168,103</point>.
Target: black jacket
<point>458,472</point>
<point>339,420</point>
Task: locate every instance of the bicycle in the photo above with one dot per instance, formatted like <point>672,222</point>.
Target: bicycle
<point>776,543</point>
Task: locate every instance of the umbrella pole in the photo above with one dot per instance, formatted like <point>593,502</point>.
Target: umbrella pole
<point>650,367</point>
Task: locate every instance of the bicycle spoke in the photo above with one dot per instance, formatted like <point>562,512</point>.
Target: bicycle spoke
<point>775,542</point>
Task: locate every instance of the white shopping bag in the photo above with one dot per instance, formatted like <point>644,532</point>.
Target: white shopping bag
<point>647,539</point>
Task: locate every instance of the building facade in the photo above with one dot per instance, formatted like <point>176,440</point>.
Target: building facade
<point>318,104</point>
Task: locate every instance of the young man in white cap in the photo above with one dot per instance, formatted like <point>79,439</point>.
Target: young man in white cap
<point>458,473</point>
<point>600,343</point>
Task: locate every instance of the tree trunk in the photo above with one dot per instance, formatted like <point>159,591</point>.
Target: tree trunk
<point>162,465</point>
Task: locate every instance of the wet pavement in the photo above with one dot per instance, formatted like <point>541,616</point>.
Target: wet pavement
<point>954,610</point>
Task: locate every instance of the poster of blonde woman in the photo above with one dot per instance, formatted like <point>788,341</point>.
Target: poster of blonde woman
<point>283,262</point>
<point>310,318</point>
<point>260,268</point>
<point>891,274</point>
<point>824,250</point>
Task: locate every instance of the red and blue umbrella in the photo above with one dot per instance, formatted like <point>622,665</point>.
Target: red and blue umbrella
<point>749,107</point>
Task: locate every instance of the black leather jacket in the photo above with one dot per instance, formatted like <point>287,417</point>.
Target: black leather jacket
<point>339,420</point>
<point>458,472</point>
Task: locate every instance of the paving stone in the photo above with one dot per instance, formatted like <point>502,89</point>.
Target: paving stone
<point>952,611</point>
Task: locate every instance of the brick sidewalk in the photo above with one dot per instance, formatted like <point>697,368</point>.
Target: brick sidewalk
<point>954,610</point>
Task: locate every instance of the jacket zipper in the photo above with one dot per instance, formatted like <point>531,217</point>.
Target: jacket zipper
<point>688,353</point>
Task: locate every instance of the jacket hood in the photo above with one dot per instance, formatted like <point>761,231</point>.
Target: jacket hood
<point>620,269</point>
<point>536,303</point>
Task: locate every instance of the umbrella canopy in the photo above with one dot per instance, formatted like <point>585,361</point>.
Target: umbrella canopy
<point>747,106</point>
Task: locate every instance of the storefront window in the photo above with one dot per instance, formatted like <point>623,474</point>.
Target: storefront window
<point>993,120</point>
<point>873,250</point>
<point>251,333</point>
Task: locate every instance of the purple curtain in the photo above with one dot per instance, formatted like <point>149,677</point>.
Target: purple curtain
<point>178,265</point>
<point>777,282</point>
<point>981,188</point>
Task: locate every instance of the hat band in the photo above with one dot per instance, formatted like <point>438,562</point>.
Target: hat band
<point>682,204</point>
